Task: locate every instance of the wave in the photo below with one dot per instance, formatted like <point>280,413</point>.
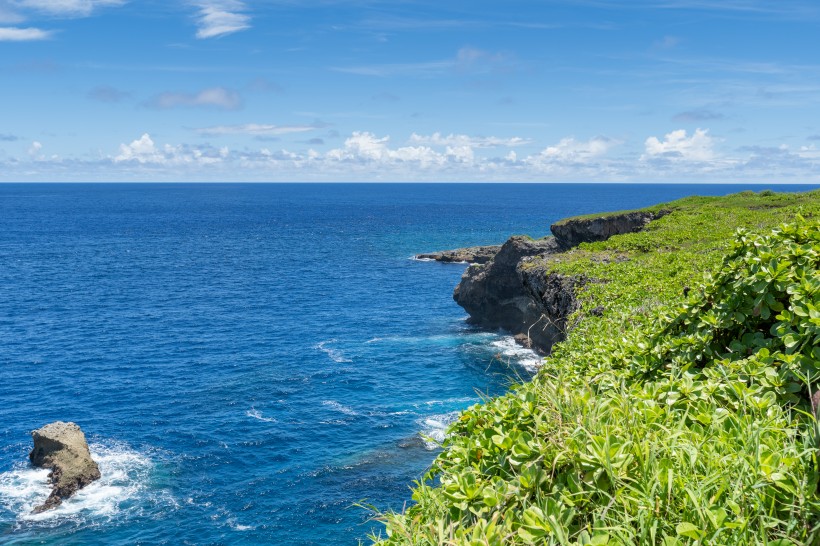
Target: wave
<point>339,407</point>
<point>515,353</point>
<point>434,428</point>
<point>256,414</point>
<point>123,487</point>
<point>335,354</point>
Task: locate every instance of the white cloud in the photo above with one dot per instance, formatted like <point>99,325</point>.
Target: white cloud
<point>364,147</point>
<point>35,149</point>
<point>220,17</point>
<point>14,34</point>
<point>144,151</point>
<point>437,139</point>
<point>141,150</point>
<point>575,151</point>
<point>256,129</point>
<point>676,146</point>
<point>215,97</point>
<point>73,8</point>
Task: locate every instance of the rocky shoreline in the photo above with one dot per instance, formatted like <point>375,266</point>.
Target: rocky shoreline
<point>515,288</point>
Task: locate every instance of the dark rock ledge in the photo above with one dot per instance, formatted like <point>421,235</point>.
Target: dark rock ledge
<point>62,448</point>
<point>517,291</point>
<point>471,255</point>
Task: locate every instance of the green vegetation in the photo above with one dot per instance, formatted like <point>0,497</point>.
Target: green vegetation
<point>670,419</point>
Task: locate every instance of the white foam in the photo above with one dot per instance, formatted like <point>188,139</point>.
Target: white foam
<point>447,401</point>
<point>434,428</point>
<point>256,414</point>
<point>125,477</point>
<point>335,354</point>
<point>417,259</point>
<point>516,354</point>
<point>339,407</point>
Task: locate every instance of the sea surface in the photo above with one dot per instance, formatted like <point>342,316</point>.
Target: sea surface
<point>252,364</point>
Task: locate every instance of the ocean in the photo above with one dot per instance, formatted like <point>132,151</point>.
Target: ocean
<point>251,363</point>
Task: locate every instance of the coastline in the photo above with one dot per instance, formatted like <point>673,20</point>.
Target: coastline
<point>646,350</point>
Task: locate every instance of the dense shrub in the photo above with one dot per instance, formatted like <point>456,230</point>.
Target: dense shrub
<point>691,425</point>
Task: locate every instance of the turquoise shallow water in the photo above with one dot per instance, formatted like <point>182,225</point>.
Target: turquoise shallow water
<point>248,361</point>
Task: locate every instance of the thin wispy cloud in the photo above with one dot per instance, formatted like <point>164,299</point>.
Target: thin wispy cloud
<point>7,137</point>
<point>257,129</point>
<point>68,8</point>
<point>214,97</point>
<point>15,34</point>
<point>437,139</point>
<point>467,61</point>
<point>217,18</point>
<point>106,93</point>
<point>701,114</point>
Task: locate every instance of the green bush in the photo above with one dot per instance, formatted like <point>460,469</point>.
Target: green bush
<point>683,422</point>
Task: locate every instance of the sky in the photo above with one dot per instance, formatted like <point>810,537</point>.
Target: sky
<point>410,90</point>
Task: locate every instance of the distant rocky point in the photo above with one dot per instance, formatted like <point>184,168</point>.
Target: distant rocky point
<point>62,448</point>
<point>512,287</point>
<point>471,255</point>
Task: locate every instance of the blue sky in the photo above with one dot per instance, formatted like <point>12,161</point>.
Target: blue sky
<point>405,90</point>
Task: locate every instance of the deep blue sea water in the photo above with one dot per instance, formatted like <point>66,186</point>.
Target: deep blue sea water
<point>249,361</point>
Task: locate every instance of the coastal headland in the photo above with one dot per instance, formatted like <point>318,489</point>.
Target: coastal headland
<point>675,405</point>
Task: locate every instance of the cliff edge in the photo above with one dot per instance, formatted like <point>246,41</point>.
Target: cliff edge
<point>516,290</point>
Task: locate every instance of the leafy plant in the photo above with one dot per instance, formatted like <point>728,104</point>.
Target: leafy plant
<point>668,420</point>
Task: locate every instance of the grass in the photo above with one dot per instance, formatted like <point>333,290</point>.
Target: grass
<point>679,416</point>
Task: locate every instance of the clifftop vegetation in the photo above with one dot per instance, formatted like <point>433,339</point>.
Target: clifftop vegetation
<point>676,412</point>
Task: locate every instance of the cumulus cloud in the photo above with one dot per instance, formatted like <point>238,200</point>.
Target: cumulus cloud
<point>676,146</point>
<point>215,97</point>
<point>218,18</point>
<point>73,8</point>
<point>572,150</point>
<point>257,129</point>
<point>437,139</point>
<point>144,151</point>
<point>15,34</point>
<point>35,148</point>
<point>470,59</point>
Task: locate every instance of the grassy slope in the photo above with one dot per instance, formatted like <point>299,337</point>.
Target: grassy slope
<point>667,419</point>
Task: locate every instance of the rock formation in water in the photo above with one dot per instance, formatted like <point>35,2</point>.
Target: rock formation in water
<point>471,255</point>
<point>517,290</point>
<point>62,448</point>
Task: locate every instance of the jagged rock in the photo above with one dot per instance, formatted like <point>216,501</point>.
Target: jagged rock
<point>574,231</point>
<point>62,448</point>
<point>472,255</point>
<point>517,290</point>
<point>493,293</point>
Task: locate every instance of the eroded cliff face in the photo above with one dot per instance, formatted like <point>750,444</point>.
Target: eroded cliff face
<point>573,232</point>
<point>517,290</point>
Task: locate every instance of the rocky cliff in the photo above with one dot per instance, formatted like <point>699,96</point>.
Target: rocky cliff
<point>516,290</point>
<point>574,231</point>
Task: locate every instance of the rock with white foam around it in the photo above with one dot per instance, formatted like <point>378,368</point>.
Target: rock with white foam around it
<point>62,448</point>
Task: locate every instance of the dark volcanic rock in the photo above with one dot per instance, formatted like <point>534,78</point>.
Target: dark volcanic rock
<point>472,255</point>
<point>62,448</point>
<point>573,232</point>
<point>517,290</point>
<point>493,294</point>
